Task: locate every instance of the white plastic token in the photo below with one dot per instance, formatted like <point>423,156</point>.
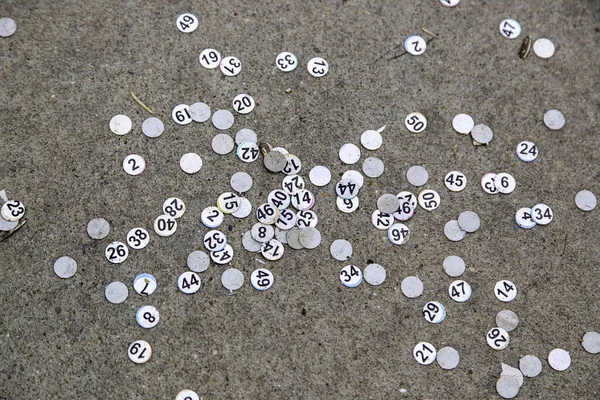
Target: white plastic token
<point>274,161</point>
<point>293,164</point>
<point>341,249</point>
<point>305,219</point>
<point>120,124</point>
<point>381,220</point>
<point>134,164</point>
<point>586,200</point>
<point>482,134</point>
<point>262,279</point>
<point>415,45</point>
<point>248,152</point>
<point>347,205</point>
<point>448,358</point>
<point>507,320</point>
<point>309,238</point>
<point>267,213</point>
<point>181,114</point>
<point>293,238</point>
<point>187,394</point>
<point>408,204</point>
<point>543,48</point>
<point>449,3</point>
<point>488,183</point>
<point>398,233</point>
<point>228,202</point>
<point>319,175</point>
<point>174,207</point>
<point>189,282</point>
<point>116,292</point>
<point>200,112</point>
<point>429,199</point>
<point>356,176</point>
<point>144,284</point>
<point>388,203</point>
<point>198,261</point>
<point>292,183</point>
<point>190,163</point>
<point>454,266</point>
<point>286,61</point>
<point>12,210</point>
<point>463,123</point>
<point>232,279</point>
<point>281,150</point>
<point>262,233</point>
<point>417,175</point>
<point>505,291</point>
<point>505,183</point>
<point>373,167</point>
<point>231,66</point>
<point>541,214</point>
<point>317,67</point>
<point>424,353</point>
<point>241,182</point>
<point>374,274</point>
<point>524,219</point>
<point>411,287</point>
<point>455,181</point>
<point>7,27</point>
<point>211,217</point>
<point>507,386</point>
<point>223,256</point>
<point>281,235</point>
<point>497,338</point>
<point>65,267</point>
<point>453,231</point>
<point>152,127</point>
<point>223,120</point>
<point>139,351</point>
<point>187,23</point>
<point>371,140</point>
<point>510,28</point>
<point>250,244</point>
<point>527,151</point>
<point>116,252</point>
<point>460,291</point>
<point>351,276</point>
<point>287,220</point>
<point>559,359</point>
<point>138,238</point>
<point>530,366</point>
<point>434,312</point>
<point>165,225</point>
<point>243,103</point>
<point>6,226</point>
<point>244,210</point>
<point>303,199</point>
<point>214,240</point>
<point>507,370</point>
<point>591,342</point>
<point>469,221</point>
<point>272,250</point>
<point>245,135</point>
<point>554,119</point>
<point>222,143</point>
<point>415,122</point>
<point>209,58</point>
<point>349,153</point>
<point>147,317</point>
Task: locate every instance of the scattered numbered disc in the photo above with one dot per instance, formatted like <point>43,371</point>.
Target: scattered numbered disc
<point>510,28</point>
<point>341,249</point>
<point>305,219</point>
<point>530,366</point>
<point>541,214</point>
<point>144,284</point>
<point>319,175</point>
<point>116,292</point>
<point>559,359</point>
<point>449,3</point>
<point>120,124</point>
<point>267,214</point>
<point>287,220</point>
<point>245,135</point>
<point>381,220</point>
<point>412,287</point>
<point>415,122</point>
<point>482,134</point>
<point>214,240</point>
<point>424,353</point>
<point>371,140</point>
<point>543,48</point>
<point>244,210</point>
<point>507,320</point>
<point>408,204</point>
<point>448,358</point>
<point>228,202</point>
<point>434,312</point>
<point>165,225</point>
<point>317,67</point>
<point>497,338</point>
<point>373,167</point>
<point>181,114</point>
<point>455,181</point>
<point>347,205</point>
<point>505,291</point>
<point>505,183</point>
<point>187,23</point>
<point>243,103</point>
<point>187,394</point>
<point>147,317</point>
<point>292,165</point>
<point>286,61</point>
<point>507,386</point>
<point>230,66</point>
<point>351,276</point>
<point>388,203</point>
<point>211,217</point>
<point>222,144</point>
<point>374,274</point>
<point>398,233</point>
<point>116,252</point>
<point>209,58</point>
<point>262,279</point>
<point>527,151</point>
<point>469,221</point>
<point>232,279</point>
<point>190,163</point>
<point>355,176</point>
<point>524,219</point>
<point>272,250</point>
<point>275,161</point>
<point>152,127</point>
<point>349,153</point>
<point>12,210</point>
<point>463,123</point>
<point>65,267</point>
<point>586,200</point>
<point>459,291</point>
<point>200,112</point>
<point>488,183</point>
<point>7,27</point>
<point>134,164</point>
<point>417,175</point>
<point>138,238</point>
<point>139,351</point>
<point>293,238</point>
<point>309,238</point>
<point>454,266</point>
<point>591,342</point>
<point>222,256</point>
<point>223,120</point>
<point>293,183</point>
<point>188,282</point>
<point>174,207</point>
<point>453,231</point>
<point>250,244</point>
<point>554,119</point>
<point>415,45</point>
<point>303,200</point>
<point>241,182</point>
<point>248,152</point>
<point>262,233</point>
<point>98,228</point>
<point>429,199</point>
<point>198,261</point>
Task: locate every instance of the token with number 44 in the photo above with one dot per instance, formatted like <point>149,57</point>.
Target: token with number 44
<point>189,282</point>
<point>147,317</point>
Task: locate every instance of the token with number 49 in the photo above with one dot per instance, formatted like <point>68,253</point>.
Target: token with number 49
<point>262,279</point>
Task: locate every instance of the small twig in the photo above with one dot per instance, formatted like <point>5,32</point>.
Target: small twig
<point>565,245</point>
<point>429,32</point>
<point>381,129</point>
<point>145,107</point>
<point>525,47</point>
<point>5,235</point>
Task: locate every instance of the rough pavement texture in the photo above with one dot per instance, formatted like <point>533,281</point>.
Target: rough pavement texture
<point>71,66</point>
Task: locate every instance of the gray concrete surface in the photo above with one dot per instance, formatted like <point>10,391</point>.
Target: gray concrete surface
<point>71,66</point>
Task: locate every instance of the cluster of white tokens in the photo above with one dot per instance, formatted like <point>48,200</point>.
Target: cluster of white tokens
<point>511,29</point>
<point>481,134</point>
<point>467,222</point>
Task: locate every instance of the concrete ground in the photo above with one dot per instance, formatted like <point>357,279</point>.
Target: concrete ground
<point>71,66</point>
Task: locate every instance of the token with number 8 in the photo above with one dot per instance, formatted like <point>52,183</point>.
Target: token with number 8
<point>147,317</point>
<point>262,279</point>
